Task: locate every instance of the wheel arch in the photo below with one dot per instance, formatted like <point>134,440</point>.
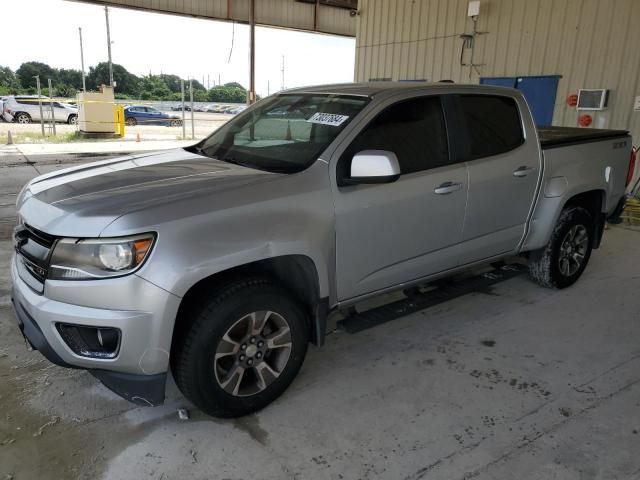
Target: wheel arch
<point>549,209</point>
<point>297,273</point>
<point>594,202</point>
<point>21,112</point>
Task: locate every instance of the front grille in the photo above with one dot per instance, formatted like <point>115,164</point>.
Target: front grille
<point>34,250</point>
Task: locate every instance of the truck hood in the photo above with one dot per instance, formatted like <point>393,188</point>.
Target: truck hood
<point>81,201</point>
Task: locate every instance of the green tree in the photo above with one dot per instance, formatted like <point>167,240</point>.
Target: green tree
<point>228,93</point>
<point>9,82</point>
<point>70,77</point>
<point>153,87</point>
<point>198,86</point>
<point>126,82</point>
<point>172,82</point>
<point>28,70</point>
<point>235,85</point>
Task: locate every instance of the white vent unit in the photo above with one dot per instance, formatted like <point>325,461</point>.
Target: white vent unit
<point>592,98</point>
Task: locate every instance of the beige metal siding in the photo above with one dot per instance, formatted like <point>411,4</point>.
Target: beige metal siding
<point>278,13</point>
<point>590,43</point>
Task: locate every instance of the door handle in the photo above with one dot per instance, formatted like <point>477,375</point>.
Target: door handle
<point>522,171</point>
<point>447,187</point>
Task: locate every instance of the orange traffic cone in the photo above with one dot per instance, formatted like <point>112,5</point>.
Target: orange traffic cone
<point>138,137</point>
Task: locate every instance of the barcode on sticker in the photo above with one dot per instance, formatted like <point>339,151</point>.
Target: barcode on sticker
<point>332,119</point>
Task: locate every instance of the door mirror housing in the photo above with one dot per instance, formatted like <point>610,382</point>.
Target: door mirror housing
<point>373,166</point>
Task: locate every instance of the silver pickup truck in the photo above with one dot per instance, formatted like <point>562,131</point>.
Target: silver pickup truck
<point>222,261</point>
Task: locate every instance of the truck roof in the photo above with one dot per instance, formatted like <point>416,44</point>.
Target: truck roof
<point>370,89</point>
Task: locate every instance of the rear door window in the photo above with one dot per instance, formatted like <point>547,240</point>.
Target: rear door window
<point>492,124</point>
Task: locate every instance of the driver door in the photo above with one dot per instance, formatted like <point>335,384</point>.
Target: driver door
<point>392,233</point>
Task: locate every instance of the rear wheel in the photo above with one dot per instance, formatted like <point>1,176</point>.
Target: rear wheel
<point>175,123</point>
<point>242,351</point>
<point>130,121</point>
<point>562,261</point>
<point>22,118</point>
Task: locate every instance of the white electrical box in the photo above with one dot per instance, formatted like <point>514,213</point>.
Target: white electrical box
<point>592,99</point>
<point>474,8</point>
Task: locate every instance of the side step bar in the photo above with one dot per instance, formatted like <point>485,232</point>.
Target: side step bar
<point>439,292</point>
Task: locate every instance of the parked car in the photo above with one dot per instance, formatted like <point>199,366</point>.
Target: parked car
<point>26,109</point>
<point>223,260</point>
<point>230,109</point>
<point>237,110</point>
<point>145,115</point>
<point>2,100</point>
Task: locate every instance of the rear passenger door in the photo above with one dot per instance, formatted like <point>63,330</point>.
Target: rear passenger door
<point>504,168</point>
<point>392,233</point>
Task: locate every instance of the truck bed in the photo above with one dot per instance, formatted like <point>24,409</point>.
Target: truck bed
<point>552,137</point>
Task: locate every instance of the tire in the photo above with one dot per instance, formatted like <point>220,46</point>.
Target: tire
<point>130,121</point>
<point>72,120</point>
<point>562,261</point>
<point>212,360</point>
<point>22,118</point>
<point>175,123</point>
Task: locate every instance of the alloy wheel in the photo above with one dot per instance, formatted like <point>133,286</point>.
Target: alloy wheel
<point>253,353</point>
<point>573,250</point>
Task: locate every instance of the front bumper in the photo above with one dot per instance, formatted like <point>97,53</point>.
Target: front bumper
<point>143,312</point>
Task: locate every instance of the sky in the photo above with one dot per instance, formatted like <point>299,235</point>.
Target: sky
<point>157,43</point>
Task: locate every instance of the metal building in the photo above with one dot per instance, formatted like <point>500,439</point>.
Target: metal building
<point>548,48</point>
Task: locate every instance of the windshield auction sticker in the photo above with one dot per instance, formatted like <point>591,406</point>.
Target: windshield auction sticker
<point>332,119</point>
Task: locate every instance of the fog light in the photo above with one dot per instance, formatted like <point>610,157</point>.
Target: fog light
<point>95,342</point>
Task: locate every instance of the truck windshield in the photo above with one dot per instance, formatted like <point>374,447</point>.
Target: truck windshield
<point>283,134</point>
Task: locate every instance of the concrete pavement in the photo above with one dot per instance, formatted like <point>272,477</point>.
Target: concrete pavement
<point>514,381</point>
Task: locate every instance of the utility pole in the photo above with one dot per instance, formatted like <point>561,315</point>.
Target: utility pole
<point>252,53</point>
<point>184,133</point>
<point>193,132</point>
<point>37,77</point>
<point>208,82</point>
<point>84,86</point>
<point>268,89</point>
<point>106,15</point>
<point>282,86</point>
<point>53,115</point>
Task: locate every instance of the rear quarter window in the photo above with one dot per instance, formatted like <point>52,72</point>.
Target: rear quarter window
<point>493,124</point>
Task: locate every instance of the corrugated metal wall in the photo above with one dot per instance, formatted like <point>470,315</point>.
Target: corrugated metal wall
<point>278,13</point>
<point>591,43</point>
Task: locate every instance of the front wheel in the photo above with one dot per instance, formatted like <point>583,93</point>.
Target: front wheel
<point>242,351</point>
<point>130,121</point>
<point>72,120</point>
<point>562,261</point>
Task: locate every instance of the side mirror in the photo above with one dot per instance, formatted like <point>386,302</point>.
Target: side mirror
<point>373,166</point>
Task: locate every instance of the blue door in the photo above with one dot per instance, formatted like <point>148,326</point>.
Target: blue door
<point>540,92</point>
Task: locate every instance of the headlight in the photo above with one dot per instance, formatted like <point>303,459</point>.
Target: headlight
<point>84,259</point>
